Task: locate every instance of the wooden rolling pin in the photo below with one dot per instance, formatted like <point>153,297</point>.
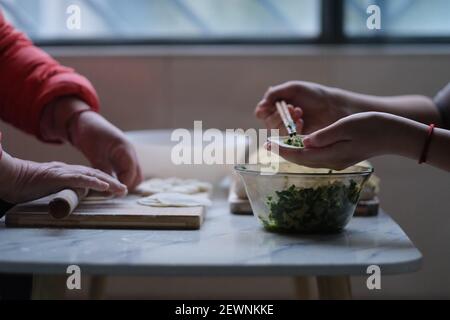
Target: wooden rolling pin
<point>63,203</point>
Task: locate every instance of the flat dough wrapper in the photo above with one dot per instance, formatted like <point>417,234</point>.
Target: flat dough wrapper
<point>172,199</point>
<point>186,186</point>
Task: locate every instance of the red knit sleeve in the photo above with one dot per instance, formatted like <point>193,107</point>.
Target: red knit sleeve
<point>30,79</point>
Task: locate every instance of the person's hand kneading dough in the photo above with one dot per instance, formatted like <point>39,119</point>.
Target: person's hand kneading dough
<point>22,180</point>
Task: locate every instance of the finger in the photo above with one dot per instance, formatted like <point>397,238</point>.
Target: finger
<point>263,110</point>
<point>336,156</point>
<point>266,109</point>
<point>80,181</point>
<point>297,113</point>
<point>127,176</point>
<point>299,125</point>
<point>282,91</point>
<point>302,157</point>
<point>276,93</point>
<point>274,121</point>
<point>105,171</point>
<point>114,185</point>
<point>139,178</point>
<point>326,136</point>
<point>124,163</point>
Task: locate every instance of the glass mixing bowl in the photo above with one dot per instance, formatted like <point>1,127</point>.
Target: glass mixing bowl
<point>303,200</point>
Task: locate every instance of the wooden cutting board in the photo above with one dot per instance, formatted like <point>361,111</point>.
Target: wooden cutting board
<point>121,213</point>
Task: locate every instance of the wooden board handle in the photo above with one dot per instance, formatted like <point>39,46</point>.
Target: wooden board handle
<point>64,202</point>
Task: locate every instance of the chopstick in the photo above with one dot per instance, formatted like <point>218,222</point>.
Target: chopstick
<point>285,115</point>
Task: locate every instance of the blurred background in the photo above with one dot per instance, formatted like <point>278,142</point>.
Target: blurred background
<point>165,63</point>
<point>116,21</point>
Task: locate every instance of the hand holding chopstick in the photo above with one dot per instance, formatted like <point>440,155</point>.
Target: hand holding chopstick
<point>285,115</point>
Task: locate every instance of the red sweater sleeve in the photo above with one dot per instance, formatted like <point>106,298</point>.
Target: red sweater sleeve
<point>30,79</point>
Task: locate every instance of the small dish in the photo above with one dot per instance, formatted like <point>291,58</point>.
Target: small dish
<point>284,141</point>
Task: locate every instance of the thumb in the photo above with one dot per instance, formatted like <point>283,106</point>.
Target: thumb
<point>324,137</point>
<point>123,163</point>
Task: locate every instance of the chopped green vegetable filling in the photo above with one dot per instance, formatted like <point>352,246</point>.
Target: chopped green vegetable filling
<point>323,209</point>
<point>294,141</point>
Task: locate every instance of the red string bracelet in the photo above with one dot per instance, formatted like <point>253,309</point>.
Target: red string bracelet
<point>426,146</point>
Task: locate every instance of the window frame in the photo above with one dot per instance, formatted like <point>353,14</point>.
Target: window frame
<point>332,33</point>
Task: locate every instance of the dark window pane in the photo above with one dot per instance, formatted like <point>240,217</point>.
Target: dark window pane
<point>167,19</point>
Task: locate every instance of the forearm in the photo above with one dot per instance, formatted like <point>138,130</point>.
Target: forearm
<point>439,152</point>
<point>408,139</point>
<point>414,107</point>
<point>58,116</point>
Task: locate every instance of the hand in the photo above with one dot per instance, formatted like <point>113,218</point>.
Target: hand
<point>106,147</point>
<point>103,144</point>
<point>22,181</point>
<point>312,106</point>
<point>356,138</point>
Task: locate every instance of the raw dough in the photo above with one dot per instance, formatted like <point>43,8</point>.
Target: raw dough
<point>173,199</point>
<point>186,186</point>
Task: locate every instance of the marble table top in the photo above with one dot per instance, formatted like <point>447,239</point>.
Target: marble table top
<point>226,244</point>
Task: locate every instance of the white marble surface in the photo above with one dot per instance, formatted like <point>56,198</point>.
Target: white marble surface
<point>226,245</point>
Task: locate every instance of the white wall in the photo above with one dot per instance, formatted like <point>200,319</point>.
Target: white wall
<point>167,88</point>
